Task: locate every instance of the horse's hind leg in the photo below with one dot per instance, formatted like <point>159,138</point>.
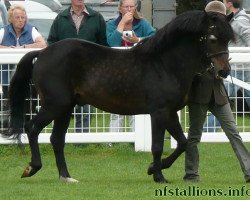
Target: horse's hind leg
<point>33,128</point>
<point>58,142</point>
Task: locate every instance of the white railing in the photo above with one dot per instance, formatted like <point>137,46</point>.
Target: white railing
<point>141,136</point>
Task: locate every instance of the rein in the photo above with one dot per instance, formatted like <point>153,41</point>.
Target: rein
<point>211,66</point>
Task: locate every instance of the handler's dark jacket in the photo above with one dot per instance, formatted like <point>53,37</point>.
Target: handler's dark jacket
<point>207,88</point>
<point>93,27</point>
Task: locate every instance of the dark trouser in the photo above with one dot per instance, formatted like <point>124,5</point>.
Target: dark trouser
<point>197,114</point>
<point>82,120</point>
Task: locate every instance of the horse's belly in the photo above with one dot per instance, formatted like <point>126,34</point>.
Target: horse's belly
<point>119,105</point>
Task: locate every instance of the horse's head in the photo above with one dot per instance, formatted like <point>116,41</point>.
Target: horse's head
<point>218,35</point>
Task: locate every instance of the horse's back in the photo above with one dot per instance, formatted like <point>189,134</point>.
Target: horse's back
<point>85,72</point>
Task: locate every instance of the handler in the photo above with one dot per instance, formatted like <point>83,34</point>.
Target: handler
<point>208,93</point>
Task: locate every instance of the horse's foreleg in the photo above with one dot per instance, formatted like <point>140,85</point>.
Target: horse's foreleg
<point>175,130</point>
<point>58,142</point>
<point>158,132</point>
<point>33,128</point>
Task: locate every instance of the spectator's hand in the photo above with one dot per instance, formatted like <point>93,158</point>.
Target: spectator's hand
<point>127,18</point>
<point>133,39</point>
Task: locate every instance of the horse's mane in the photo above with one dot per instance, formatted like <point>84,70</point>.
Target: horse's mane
<point>189,25</point>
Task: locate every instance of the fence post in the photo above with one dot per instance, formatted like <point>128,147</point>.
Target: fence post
<point>143,138</point>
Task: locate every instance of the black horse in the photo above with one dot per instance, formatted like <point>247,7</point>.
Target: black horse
<point>153,78</point>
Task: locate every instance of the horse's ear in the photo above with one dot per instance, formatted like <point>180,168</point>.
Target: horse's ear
<point>230,16</point>
<point>205,13</point>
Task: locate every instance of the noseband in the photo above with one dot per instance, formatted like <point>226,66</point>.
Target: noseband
<point>212,55</point>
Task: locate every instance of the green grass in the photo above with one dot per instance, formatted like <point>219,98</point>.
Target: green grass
<point>117,172</point>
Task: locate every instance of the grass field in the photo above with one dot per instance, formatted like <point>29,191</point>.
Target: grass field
<point>118,172</point>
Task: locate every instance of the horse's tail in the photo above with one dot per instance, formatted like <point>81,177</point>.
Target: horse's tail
<point>18,90</point>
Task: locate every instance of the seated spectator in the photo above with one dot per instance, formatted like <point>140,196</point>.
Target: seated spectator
<point>17,34</point>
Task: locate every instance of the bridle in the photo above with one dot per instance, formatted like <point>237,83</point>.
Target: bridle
<point>204,41</point>
<point>211,36</point>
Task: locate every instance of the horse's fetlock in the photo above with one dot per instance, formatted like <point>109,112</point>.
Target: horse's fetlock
<point>150,169</point>
<point>38,167</point>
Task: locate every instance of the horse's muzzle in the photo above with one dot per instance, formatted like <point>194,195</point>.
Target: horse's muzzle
<point>221,65</point>
<point>223,73</point>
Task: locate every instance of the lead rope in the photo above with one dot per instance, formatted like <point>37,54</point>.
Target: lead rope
<point>232,89</point>
<point>229,83</point>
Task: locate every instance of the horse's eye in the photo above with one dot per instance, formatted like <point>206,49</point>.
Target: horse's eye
<point>212,37</point>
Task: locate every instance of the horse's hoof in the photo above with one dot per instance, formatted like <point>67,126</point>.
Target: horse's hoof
<point>68,180</point>
<point>160,179</point>
<point>31,170</point>
<point>27,172</point>
<point>151,169</point>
